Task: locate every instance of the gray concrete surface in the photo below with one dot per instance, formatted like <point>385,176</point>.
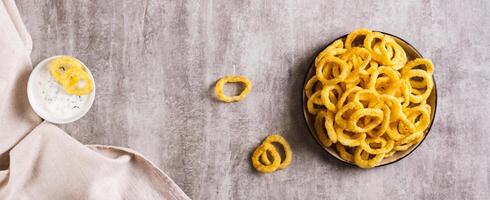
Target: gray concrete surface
<point>155,61</point>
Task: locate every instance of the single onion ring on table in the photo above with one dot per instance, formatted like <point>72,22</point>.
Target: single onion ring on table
<point>368,99</point>
<point>232,79</point>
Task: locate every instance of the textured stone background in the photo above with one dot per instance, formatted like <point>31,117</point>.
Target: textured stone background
<point>155,61</point>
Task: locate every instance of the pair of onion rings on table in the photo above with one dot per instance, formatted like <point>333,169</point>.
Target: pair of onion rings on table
<point>70,74</point>
<point>368,99</point>
<point>260,157</point>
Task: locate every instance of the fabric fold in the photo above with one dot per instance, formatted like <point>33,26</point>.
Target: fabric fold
<point>47,164</point>
<point>17,117</point>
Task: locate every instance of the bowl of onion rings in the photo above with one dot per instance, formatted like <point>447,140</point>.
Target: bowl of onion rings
<point>369,98</point>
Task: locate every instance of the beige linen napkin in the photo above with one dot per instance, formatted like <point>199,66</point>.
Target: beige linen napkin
<point>40,161</point>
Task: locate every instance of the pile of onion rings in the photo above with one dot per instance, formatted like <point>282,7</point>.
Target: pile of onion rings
<point>368,99</point>
<point>260,158</point>
<point>71,75</point>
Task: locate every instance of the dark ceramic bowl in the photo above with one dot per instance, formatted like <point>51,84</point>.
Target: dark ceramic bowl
<point>412,53</point>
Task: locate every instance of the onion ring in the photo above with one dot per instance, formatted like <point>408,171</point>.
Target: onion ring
<point>288,154</point>
<point>232,79</point>
<point>263,149</point>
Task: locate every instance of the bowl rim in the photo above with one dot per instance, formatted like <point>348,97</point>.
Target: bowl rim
<point>303,99</point>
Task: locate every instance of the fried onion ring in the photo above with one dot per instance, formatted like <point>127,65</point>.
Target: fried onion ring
<point>232,79</point>
<point>263,149</point>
